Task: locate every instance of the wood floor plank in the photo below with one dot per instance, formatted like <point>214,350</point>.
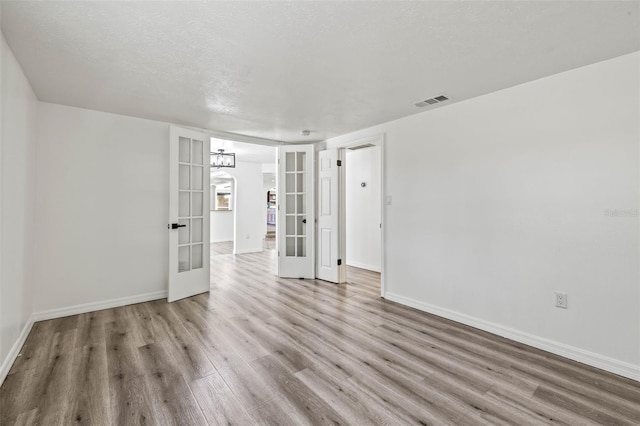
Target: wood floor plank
<point>259,349</point>
<point>547,412</point>
<point>594,396</point>
<point>16,399</point>
<point>27,418</point>
<point>306,403</point>
<point>34,351</point>
<point>355,406</point>
<point>130,402</point>
<point>579,407</point>
<point>171,400</point>
<point>90,329</point>
<point>54,386</point>
<point>179,346</point>
<point>89,396</point>
<point>219,405</point>
<point>280,346</point>
<point>249,387</point>
<point>278,412</point>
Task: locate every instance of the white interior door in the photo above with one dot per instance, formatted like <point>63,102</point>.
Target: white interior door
<point>331,265</point>
<point>296,214</point>
<point>189,183</point>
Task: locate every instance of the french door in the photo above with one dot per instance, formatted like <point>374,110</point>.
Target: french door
<point>189,177</point>
<point>296,214</point>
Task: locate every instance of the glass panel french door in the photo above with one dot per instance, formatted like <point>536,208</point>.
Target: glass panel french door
<point>189,216</point>
<point>296,215</point>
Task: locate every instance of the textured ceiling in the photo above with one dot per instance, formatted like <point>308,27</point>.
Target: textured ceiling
<point>247,152</point>
<point>271,69</point>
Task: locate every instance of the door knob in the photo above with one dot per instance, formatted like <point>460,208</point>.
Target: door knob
<point>176,226</point>
<point>304,220</point>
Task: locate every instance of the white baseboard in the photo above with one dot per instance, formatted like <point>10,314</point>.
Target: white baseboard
<point>249,250</point>
<point>97,306</point>
<point>586,357</point>
<point>363,266</point>
<point>15,350</point>
<point>222,241</point>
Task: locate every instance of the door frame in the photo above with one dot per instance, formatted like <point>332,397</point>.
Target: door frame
<point>379,141</point>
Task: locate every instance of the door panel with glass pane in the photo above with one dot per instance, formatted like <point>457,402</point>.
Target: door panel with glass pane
<point>296,216</point>
<point>189,219</point>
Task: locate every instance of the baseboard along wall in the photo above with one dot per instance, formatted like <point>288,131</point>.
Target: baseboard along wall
<point>586,357</point>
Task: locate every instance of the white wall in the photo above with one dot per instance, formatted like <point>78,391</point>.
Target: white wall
<point>363,208</point>
<point>17,196</point>
<point>248,206</point>
<point>221,226</point>
<point>102,208</point>
<point>501,200</point>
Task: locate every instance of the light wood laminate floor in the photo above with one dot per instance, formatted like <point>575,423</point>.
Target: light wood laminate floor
<point>262,350</point>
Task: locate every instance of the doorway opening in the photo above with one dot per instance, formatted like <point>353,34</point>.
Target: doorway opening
<point>222,229</point>
<point>363,214</point>
<point>269,188</point>
<point>238,198</point>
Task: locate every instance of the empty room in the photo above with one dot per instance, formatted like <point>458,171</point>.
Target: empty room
<point>320,212</point>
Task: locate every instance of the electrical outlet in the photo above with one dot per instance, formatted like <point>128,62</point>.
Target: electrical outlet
<point>561,300</point>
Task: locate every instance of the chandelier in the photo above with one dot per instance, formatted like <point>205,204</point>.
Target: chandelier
<point>222,159</point>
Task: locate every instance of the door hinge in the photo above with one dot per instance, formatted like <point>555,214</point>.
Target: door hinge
<point>339,163</point>
<point>278,253</point>
<point>339,262</point>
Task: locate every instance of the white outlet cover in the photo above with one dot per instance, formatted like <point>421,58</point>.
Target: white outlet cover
<point>561,300</point>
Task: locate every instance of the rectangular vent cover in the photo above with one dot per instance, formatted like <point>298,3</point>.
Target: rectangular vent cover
<point>432,101</point>
<point>366,145</point>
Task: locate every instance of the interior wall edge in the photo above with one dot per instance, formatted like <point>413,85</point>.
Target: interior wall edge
<point>571,352</point>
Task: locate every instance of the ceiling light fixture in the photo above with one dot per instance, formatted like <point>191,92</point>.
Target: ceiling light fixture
<point>222,159</point>
<point>305,132</point>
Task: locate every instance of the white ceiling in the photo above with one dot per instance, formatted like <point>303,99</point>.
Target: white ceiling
<point>246,152</point>
<point>271,69</point>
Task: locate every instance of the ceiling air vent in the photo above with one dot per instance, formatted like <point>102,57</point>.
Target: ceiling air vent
<point>432,101</point>
<point>366,145</point>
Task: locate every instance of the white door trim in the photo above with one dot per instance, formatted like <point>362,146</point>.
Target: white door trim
<point>377,140</point>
